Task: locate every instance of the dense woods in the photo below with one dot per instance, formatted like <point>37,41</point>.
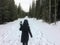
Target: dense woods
<point>9,11</point>
<point>48,10</point>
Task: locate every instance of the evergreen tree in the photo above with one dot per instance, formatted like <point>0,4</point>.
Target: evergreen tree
<point>12,10</point>
<point>19,11</point>
<point>37,8</point>
<point>33,8</point>
<point>30,12</point>
<point>55,11</point>
<point>58,12</point>
<point>4,10</point>
<point>45,10</point>
<point>49,11</point>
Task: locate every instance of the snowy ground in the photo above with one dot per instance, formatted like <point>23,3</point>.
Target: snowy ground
<point>43,33</point>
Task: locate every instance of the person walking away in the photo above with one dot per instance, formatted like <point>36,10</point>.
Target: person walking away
<point>25,32</point>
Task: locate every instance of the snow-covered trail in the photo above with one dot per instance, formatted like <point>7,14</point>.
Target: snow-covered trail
<point>43,33</point>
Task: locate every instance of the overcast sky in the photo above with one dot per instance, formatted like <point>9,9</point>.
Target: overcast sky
<point>24,4</point>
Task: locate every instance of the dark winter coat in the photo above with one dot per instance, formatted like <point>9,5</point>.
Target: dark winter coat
<point>25,33</point>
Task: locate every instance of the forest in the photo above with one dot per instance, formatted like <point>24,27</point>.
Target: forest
<point>48,10</point>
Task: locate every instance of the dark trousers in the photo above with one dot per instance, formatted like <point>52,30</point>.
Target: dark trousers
<point>25,43</point>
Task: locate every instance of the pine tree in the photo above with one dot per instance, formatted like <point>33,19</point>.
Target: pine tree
<point>1,8</point>
<point>49,11</point>
<point>4,10</point>
<point>30,12</point>
<point>45,10</point>
<point>19,11</point>
<point>37,8</point>
<point>33,8</point>
<point>55,11</point>
<point>58,10</point>
<point>12,10</point>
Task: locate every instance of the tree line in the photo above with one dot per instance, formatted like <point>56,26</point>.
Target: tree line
<point>48,10</point>
<point>9,11</point>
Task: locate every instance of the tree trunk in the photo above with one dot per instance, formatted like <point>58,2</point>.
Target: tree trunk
<point>55,11</point>
<point>49,11</point>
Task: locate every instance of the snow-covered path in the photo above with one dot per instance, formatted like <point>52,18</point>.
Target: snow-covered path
<point>43,33</point>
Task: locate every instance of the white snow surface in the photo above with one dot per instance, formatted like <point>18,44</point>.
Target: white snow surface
<point>43,33</point>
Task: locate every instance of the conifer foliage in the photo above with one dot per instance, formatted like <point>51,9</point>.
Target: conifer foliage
<point>48,10</point>
<point>9,11</point>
